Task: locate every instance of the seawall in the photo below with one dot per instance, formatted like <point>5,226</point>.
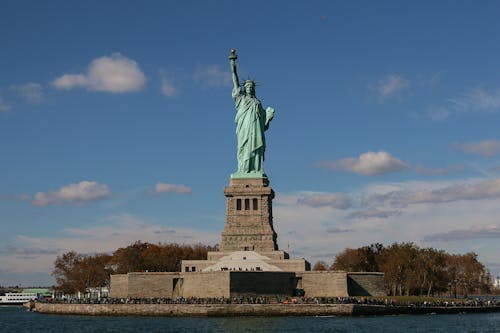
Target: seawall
<point>232,310</point>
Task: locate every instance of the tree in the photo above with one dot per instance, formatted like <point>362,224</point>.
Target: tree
<point>129,259</point>
<point>65,272</point>
<point>398,262</point>
<point>140,256</point>
<point>95,270</point>
<point>76,272</point>
<point>320,266</point>
<point>411,270</point>
<point>358,260</point>
<point>468,273</point>
<point>432,265</point>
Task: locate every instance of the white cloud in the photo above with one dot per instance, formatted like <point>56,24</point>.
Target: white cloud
<point>484,148</point>
<point>482,190</point>
<point>168,88</point>
<point>484,100</point>
<point>4,106</point>
<point>476,100</point>
<point>438,171</point>
<point>474,232</point>
<point>78,193</point>
<point>337,230</point>
<point>115,73</point>
<point>27,251</point>
<point>392,85</point>
<point>318,199</point>
<point>170,188</point>
<point>429,80</point>
<point>213,76</point>
<point>374,213</point>
<point>70,81</point>
<point>30,92</point>
<point>368,164</point>
<point>438,113</point>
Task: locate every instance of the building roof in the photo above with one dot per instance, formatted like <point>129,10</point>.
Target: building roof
<point>243,261</point>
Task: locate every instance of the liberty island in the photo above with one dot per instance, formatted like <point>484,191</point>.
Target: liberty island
<point>248,274</point>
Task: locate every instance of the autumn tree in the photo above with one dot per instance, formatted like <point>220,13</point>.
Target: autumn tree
<point>431,270</point>
<point>141,256</point>
<point>411,270</point>
<point>320,266</point>
<point>466,274</point>
<point>362,259</point>
<point>398,263</point>
<point>130,258</point>
<point>65,271</point>
<point>77,272</point>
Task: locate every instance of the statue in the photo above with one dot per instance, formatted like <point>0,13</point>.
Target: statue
<point>251,123</point>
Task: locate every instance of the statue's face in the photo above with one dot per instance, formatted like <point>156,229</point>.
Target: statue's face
<point>250,89</point>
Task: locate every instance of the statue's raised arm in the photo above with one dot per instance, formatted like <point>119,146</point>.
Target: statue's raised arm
<point>232,61</point>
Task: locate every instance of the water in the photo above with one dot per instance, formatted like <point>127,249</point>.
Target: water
<point>18,320</point>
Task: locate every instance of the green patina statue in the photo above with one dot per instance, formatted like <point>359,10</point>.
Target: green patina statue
<point>251,123</point>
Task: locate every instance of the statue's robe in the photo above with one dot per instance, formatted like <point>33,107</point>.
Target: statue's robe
<point>251,122</point>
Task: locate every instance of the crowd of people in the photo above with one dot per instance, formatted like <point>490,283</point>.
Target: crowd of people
<point>279,299</point>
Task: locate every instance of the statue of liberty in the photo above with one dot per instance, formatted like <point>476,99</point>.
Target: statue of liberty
<point>251,123</point>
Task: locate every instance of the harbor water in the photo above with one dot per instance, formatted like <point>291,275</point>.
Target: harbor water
<point>19,320</point>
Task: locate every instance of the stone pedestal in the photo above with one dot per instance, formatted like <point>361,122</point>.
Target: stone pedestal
<point>249,219</point>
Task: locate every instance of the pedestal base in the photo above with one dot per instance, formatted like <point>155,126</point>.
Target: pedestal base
<point>249,221</point>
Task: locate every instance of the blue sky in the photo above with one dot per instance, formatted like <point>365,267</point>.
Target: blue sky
<point>117,124</point>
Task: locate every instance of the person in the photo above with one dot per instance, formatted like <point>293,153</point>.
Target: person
<point>251,123</point>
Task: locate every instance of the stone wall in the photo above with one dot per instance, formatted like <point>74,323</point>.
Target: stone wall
<point>219,310</point>
<point>366,284</point>
<point>151,284</point>
<point>323,283</point>
<point>186,310</point>
<point>292,265</point>
<point>205,284</point>
<point>262,283</point>
<point>119,286</point>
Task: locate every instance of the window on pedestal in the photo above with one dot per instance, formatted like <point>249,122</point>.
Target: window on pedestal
<point>255,204</point>
<point>247,204</point>
<point>238,204</point>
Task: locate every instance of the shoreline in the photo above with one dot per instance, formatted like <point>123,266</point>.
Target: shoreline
<point>237,310</point>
